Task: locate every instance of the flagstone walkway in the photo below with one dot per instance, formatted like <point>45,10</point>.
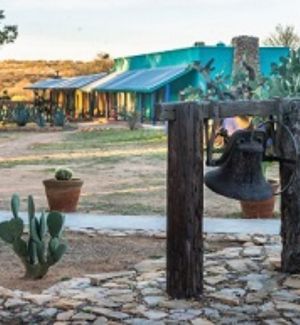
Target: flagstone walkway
<point>242,286</point>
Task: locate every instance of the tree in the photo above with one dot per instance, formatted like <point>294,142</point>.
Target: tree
<point>284,36</point>
<point>8,33</point>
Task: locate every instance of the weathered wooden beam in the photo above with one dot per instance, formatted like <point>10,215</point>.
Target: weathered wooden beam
<point>222,109</point>
<point>290,199</point>
<point>185,202</point>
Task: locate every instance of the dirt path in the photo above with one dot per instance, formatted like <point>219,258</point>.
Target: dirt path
<point>119,186</point>
<point>19,144</point>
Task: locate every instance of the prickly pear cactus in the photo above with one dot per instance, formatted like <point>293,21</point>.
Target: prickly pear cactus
<point>63,174</point>
<point>36,254</point>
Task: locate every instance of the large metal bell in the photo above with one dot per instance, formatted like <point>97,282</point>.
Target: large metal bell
<point>239,175</point>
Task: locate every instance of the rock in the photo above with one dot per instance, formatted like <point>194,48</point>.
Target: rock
<point>151,265</point>
<point>287,306</point>
<point>256,297</point>
<point>97,279</point>
<point>84,316</point>
<point>181,316</point>
<point>211,313</point>
<point>230,252</point>
<point>152,292</point>
<point>108,313</point>
<point>220,270</point>
<point>256,281</point>
<point>14,302</point>
<point>267,310</point>
<point>274,262</point>
<point>6,293</point>
<point>65,316</point>
<point>285,295</point>
<point>155,314</point>
<point>48,313</point>
<point>38,299</point>
<point>252,251</point>
<point>108,303</point>
<point>161,235</point>
<point>151,276</point>
<point>213,280</point>
<point>292,281</point>
<point>153,301</point>
<point>116,292</point>
<point>259,240</point>
<point>143,321</point>
<point>229,296</point>
<point>67,304</point>
<point>201,321</point>
<point>175,304</point>
<point>277,321</point>
<point>123,299</point>
<point>100,321</point>
<point>242,238</point>
<point>242,265</point>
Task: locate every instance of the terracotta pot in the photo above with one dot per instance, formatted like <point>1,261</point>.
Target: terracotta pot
<point>63,195</point>
<point>260,209</point>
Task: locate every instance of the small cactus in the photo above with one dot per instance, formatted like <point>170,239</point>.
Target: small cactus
<point>35,254</point>
<point>63,174</point>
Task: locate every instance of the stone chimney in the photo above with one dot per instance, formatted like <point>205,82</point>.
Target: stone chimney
<point>246,48</point>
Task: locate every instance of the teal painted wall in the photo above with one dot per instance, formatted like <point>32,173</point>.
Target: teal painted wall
<point>269,55</point>
<point>222,55</point>
<point>223,58</point>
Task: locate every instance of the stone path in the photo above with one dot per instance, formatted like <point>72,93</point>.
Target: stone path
<point>242,286</point>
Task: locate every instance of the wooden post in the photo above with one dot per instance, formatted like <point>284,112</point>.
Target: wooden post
<point>185,201</point>
<point>290,199</point>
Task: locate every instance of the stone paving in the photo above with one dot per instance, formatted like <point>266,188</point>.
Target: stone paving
<point>242,286</point>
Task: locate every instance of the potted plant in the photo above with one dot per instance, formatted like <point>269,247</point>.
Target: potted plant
<point>63,190</point>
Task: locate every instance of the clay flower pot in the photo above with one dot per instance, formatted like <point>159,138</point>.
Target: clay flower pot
<point>260,209</point>
<point>63,195</point>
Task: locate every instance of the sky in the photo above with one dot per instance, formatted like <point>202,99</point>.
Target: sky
<point>79,29</point>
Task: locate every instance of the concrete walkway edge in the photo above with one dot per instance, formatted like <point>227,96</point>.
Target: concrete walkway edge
<point>77,221</point>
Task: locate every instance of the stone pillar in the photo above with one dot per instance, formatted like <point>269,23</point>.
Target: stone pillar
<point>246,48</point>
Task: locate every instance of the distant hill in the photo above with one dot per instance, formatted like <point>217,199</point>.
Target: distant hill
<point>15,75</point>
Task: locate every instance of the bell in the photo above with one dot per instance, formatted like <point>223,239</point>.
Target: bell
<point>239,175</point>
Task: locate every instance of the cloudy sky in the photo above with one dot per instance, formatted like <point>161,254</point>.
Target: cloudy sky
<point>79,29</point>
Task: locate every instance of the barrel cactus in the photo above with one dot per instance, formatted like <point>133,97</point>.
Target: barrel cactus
<point>37,254</point>
<point>63,174</point>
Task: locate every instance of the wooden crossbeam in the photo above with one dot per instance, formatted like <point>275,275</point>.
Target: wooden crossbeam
<point>222,109</point>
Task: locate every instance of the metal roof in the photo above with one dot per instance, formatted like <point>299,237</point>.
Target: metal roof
<point>143,80</point>
<point>45,84</point>
<point>67,83</point>
<point>91,86</point>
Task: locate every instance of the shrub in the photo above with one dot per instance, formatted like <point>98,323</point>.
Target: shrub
<point>21,115</point>
<point>59,118</point>
<point>133,119</point>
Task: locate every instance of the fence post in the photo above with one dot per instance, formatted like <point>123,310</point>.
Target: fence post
<point>290,199</point>
<point>185,202</point>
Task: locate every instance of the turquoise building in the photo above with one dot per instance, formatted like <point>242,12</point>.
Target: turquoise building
<point>141,81</point>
